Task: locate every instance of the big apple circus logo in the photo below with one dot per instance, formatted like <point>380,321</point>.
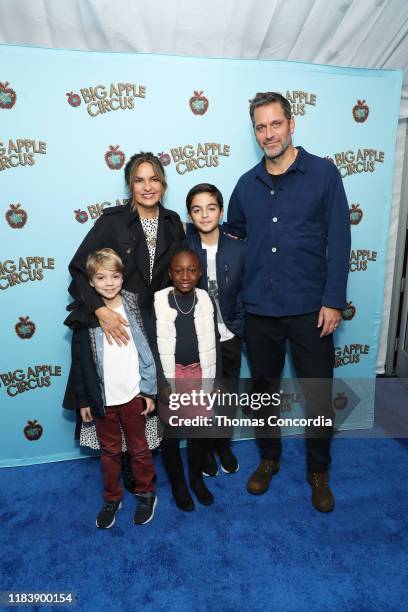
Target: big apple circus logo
<point>101,99</point>
<point>8,96</point>
<point>360,258</point>
<point>355,162</point>
<point>355,214</point>
<point>26,269</point>
<point>20,152</point>
<point>16,216</point>
<point>34,377</point>
<point>94,211</point>
<point>204,155</point>
<point>299,100</point>
<point>350,354</point>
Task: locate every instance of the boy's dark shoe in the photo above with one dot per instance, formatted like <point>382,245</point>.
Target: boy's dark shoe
<point>127,474</point>
<point>229,463</point>
<point>210,467</point>
<point>258,482</point>
<point>204,496</point>
<point>146,505</point>
<point>322,497</point>
<point>106,517</point>
<point>182,497</point>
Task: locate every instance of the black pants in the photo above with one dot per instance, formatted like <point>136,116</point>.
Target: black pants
<point>231,366</point>
<point>313,360</point>
<point>196,448</point>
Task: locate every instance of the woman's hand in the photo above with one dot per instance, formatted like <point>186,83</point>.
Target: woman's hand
<point>113,325</point>
<point>86,414</point>
<point>149,405</point>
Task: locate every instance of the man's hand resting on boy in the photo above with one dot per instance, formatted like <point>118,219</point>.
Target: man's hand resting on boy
<point>112,324</point>
<point>86,414</point>
<point>149,405</point>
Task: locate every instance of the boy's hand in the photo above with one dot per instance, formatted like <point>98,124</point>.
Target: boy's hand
<point>113,325</point>
<point>86,414</point>
<point>149,405</point>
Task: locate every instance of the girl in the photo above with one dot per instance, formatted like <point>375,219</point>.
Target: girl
<point>189,351</point>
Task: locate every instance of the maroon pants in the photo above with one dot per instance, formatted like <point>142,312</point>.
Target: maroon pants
<point>130,416</point>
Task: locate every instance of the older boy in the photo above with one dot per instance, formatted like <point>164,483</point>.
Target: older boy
<point>223,263</point>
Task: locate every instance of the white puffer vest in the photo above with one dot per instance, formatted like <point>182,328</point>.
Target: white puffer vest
<point>166,333</point>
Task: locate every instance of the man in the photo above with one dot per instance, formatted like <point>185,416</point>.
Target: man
<point>293,211</point>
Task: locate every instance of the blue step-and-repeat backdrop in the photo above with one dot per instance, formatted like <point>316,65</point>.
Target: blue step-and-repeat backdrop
<point>69,120</point>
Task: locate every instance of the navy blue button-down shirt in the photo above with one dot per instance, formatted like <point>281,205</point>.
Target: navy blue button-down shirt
<point>298,237</point>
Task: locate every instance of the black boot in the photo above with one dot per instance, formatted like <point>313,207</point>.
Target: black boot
<point>175,471</point>
<point>196,450</point>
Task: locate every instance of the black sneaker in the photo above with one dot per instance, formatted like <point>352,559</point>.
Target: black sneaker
<point>146,505</point>
<point>210,467</point>
<point>106,517</point>
<point>229,463</point>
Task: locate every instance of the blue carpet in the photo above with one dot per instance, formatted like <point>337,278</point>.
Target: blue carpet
<point>272,552</point>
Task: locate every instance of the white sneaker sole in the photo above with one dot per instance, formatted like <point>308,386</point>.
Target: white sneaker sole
<point>211,475</point>
<point>114,518</point>
<point>151,516</point>
<point>227,472</point>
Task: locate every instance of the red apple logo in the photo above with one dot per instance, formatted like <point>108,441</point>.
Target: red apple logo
<point>8,96</point>
<point>164,158</point>
<point>81,215</point>
<point>25,328</point>
<point>33,430</point>
<point>355,214</point>
<point>198,103</point>
<point>340,401</point>
<point>114,157</point>
<point>348,313</point>
<point>16,216</point>
<point>360,111</point>
<point>74,99</point>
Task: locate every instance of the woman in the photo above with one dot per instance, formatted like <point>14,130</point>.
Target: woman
<point>145,235</point>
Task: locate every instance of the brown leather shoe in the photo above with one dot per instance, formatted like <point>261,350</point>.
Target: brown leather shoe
<point>322,497</point>
<point>258,483</point>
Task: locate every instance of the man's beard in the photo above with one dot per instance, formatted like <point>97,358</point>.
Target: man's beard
<point>284,147</point>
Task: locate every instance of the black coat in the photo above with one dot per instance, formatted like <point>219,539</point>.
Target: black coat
<point>119,228</point>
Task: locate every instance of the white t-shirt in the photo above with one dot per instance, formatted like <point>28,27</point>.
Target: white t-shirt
<point>225,333</point>
<point>120,369</point>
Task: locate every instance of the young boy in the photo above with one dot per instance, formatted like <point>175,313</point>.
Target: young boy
<point>223,263</point>
<point>115,385</point>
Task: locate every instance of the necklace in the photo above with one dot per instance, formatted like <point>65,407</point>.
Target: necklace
<point>178,307</point>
